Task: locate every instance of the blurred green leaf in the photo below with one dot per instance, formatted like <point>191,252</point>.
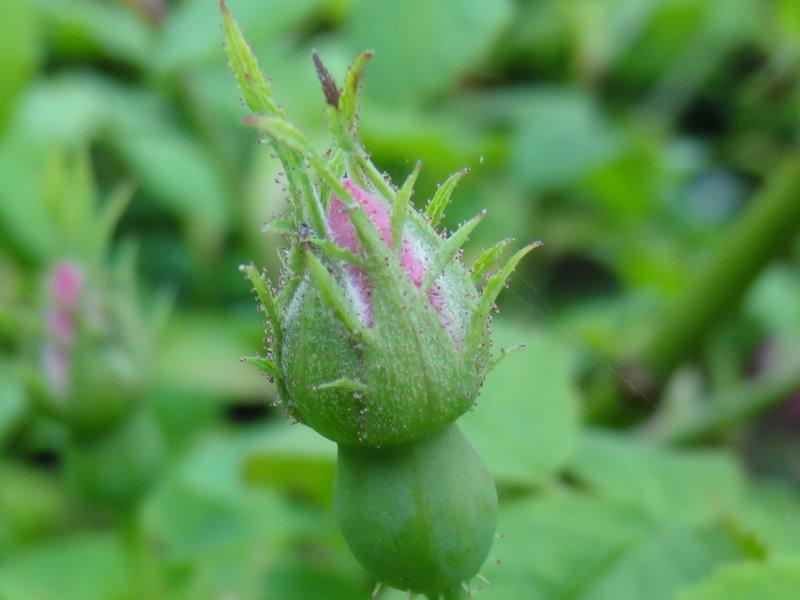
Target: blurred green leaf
<point>774,301</point>
<point>669,485</point>
<point>314,578</point>
<point>19,51</point>
<point>771,515</point>
<point>202,352</point>
<point>525,423</point>
<point>13,403</point>
<point>191,34</point>
<point>778,580</point>
<point>422,48</point>
<point>553,544</point>
<point>178,172</point>
<point>87,566</point>
<point>559,136</point>
<point>225,532</point>
<point>33,504</point>
<point>296,460</point>
<point>663,563</point>
<point>88,28</point>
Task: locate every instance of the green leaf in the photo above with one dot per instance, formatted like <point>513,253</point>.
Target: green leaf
<point>19,51</point>
<point>774,580</point>
<point>33,504</point>
<point>13,403</point>
<point>667,484</point>
<point>770,516</point>
<point>83,27</point>
<point>87,566</point>
<point>525,424</point>
<point>662,563</point>
<point>191,29</point>
<point>200,352</point>
<point>177,172</point>
<point>553,544</point>
<point>422,48</point>
<point>296,460</point>
<point>560,136</point>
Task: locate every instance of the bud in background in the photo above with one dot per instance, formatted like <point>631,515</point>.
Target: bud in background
<point>95,345</point>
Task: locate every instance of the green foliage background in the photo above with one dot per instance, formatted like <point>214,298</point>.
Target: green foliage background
<point>645,445</point>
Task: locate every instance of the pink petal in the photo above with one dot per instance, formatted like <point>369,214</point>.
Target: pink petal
<point>344,235</point>
<point>66,282</point>
<point>60,324</point>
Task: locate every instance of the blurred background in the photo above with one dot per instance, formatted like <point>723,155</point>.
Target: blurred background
<point>646,444</point>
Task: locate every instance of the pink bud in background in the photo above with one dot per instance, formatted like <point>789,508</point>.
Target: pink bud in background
<point>65,285</point>
<point>60,325</point>
<point>55,365</point>
<point>66,282</point>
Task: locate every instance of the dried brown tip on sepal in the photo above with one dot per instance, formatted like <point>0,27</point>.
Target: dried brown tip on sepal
<point>329,88</point>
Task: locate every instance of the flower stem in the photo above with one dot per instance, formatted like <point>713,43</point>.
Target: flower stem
<point>767,226</point>
<point>736,406</point>
<point>137,546</point>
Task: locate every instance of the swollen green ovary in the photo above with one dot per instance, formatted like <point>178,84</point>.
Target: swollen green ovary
<point>420,516</point>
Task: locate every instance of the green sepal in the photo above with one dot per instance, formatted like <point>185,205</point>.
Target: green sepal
<point>348,101</point>
<point>257,95</point>
<point>435,209</point>
<point>449,249</point>
<point>264,364</point>
<point>493,287</point>
<point>504,352</point>
<point>344,383</point>
<point>335,298</point>
<point>332,251</point>
<point>487,259</point>
<point>281,227</point>
<point>400,207</point>
<point>255,88</point>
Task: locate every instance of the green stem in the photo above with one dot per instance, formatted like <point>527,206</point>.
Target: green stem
<point>136,543</point>
<point>736,406</point>
<point>767,226</point>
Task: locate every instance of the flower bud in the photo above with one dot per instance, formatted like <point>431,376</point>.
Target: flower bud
<point>404,369</point>
<point>88,358</point>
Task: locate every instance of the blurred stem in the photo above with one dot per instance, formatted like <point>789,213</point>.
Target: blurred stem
<point>736,406</point>
<point>766,227</point>
<point>136,543</point>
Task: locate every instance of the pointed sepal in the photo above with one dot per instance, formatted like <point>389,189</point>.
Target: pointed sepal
<point>400,206</point>
<point>449,249</point>
<point>267,300</point>
<point>348,101</point>
<point>335,298</point>
<point>487,259</point>
<point>504,353</point>
<point>332,251</point>
<point>255,88</point>
<point>265,365</point>
<point>435,209</point>
<point>493,287</point>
